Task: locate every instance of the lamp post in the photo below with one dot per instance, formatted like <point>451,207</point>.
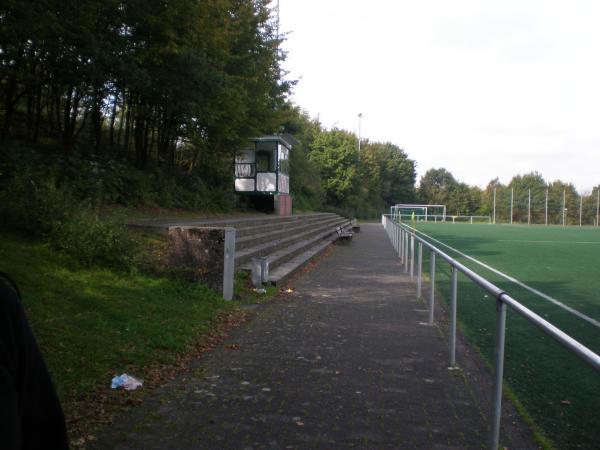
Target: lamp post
<point>360,115</point>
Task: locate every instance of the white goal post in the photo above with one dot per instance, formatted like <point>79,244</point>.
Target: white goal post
<point>421,212</point>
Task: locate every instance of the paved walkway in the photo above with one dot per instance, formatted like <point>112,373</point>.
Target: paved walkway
<point>344,362</point>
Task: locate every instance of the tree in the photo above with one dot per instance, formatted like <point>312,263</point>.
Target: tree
<point>559,194</point>
<point>398,175</point>
<point>523,186</point>
<point>336,155</point>
<point>436,186</point>
<point>502,201</point>
<point>305,175</point>
<point>159,81</point>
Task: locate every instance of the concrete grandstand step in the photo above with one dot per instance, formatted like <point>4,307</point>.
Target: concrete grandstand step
<point>241,223</point>
<point>281,231</point>
<point>288,253</point>
<point>284,253</point>
<point>284,271</point>
<point>268,248</point>
<point>288,242</point>
<point>243,231</point>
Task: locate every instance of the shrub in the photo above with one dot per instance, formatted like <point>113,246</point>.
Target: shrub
<point>34,205</point>
<point>96,242</point>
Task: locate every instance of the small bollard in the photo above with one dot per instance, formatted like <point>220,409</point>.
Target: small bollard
<point>260,271</point>
<point>257,273</point>
<point>264,269</point>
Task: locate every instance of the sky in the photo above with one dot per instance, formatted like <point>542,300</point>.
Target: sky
<point>482,88</point>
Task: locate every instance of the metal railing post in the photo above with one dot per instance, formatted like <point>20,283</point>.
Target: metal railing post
<point>398,234</point>
<point>499,372</point>
<point>419,269</point>
<point>228,263</point>
<point>412,257</point>
<point>453,317</point>
<point>406,251</point>
<point>431,286</point>
<point>401,251</point>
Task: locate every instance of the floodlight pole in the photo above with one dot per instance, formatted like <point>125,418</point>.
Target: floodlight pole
<point>494,205</point>
<point>277,25</point>
<point>529,208</point>
<point>580,209</point>
<point>598,206</point>
<point>546,208</point>
<point>359,120</point>
<point>564,204</point>
<point>512,194</point>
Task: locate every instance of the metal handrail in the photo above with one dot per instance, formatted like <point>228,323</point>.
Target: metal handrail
<point>403,239</point>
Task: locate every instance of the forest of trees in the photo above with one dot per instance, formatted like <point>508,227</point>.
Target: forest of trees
<point>146,102</point>
<point>159,83</point>
<point>438,186</point>
<point>168,91</point>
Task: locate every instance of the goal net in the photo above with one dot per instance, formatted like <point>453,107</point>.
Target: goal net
<point>404,212</point>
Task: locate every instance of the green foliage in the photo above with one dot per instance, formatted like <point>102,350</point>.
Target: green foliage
<point>436,186</point>
<point>328,173</point>
<point>41,209</point>
<point>34,205</point>
<point>95,242</point>
<point>305,174</point>
<point>397,174</point>
<point>558,191</point>
<point>94,323</point>
<point>336,155</point>
<point>527,193</point>
<point>158,83</point>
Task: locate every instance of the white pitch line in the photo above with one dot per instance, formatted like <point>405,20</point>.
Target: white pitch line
<point>526,241</point>
<point>550,242</point>
<point>517,282</point>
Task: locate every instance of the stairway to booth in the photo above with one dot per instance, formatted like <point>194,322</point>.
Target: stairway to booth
<point>288,242</point>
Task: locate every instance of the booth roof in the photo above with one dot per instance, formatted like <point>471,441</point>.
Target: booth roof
<point>287,139</point>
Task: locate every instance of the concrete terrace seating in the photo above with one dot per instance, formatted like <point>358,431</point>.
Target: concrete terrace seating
<point>289,242</point>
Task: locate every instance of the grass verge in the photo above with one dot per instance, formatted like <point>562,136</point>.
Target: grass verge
<point>93,323</point>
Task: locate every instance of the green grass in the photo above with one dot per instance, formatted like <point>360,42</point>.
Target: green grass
<point>559,391</point>
<point>245,294</point>
<point>94,323</point>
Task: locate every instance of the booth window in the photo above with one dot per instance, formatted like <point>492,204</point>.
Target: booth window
<point>263,161</point>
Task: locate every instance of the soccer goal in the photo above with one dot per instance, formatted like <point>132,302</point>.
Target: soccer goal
<point>404,212</point>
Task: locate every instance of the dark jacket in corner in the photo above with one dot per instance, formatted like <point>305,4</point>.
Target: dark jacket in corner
<point>30,414</point>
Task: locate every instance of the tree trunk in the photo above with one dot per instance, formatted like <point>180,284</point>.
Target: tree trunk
<point>113,117</point>
<point>38,115</point>
<point>128,125</point>
<point>96,119</point>
<point>139,132</point>
<point>67,132</point>
<point>122,121</point>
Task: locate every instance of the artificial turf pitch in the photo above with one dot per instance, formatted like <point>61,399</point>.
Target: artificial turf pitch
<point>559,391</point>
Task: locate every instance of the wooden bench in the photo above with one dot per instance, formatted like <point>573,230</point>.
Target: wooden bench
<point>343,235</point>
